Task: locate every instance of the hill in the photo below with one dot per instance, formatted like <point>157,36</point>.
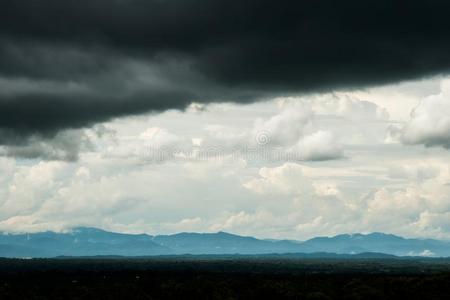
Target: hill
<point>96,242</point>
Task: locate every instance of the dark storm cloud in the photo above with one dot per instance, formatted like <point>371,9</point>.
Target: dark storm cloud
<point>41,113</point>
<point>135,56</point>
<point>65,145</point>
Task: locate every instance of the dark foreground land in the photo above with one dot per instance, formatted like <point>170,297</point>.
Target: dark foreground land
<point>224,278</point>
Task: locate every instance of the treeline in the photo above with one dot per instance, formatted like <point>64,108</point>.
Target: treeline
<point>190,279</point>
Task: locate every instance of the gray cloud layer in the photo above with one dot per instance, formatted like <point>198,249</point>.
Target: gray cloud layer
<point>70,64</point>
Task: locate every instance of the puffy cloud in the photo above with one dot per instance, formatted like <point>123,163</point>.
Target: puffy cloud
<point>312,204</point>
<point>321,145</point>
<point>348,106</point>
<point>300,204</point>
<point>156,137</point>
<point>27,187</point>
<point>286,179</point>
<point>287,201</point>
<point>430,121</point>
<point>286,127</point>
<point>295,130</point>
<point>415,171</point>
<point>326,189</point>
<point>57,195</point>
<point>291,134</point>
<point>408,209</point>
<point>346,115</point>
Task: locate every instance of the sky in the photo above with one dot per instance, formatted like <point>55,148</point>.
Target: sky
<point>277,120</point>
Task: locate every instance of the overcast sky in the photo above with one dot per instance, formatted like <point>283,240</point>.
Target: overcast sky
<point>278,120</point>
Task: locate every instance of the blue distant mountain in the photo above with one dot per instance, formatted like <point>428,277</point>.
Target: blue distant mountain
<point>94,242</point>
<point>377,242</point>
<point>222,243</point>
<point>78,242</point>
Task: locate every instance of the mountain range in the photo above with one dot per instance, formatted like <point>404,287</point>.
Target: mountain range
<point>85,241</point>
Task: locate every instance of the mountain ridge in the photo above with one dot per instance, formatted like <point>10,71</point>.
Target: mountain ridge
<point>90,241</point>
